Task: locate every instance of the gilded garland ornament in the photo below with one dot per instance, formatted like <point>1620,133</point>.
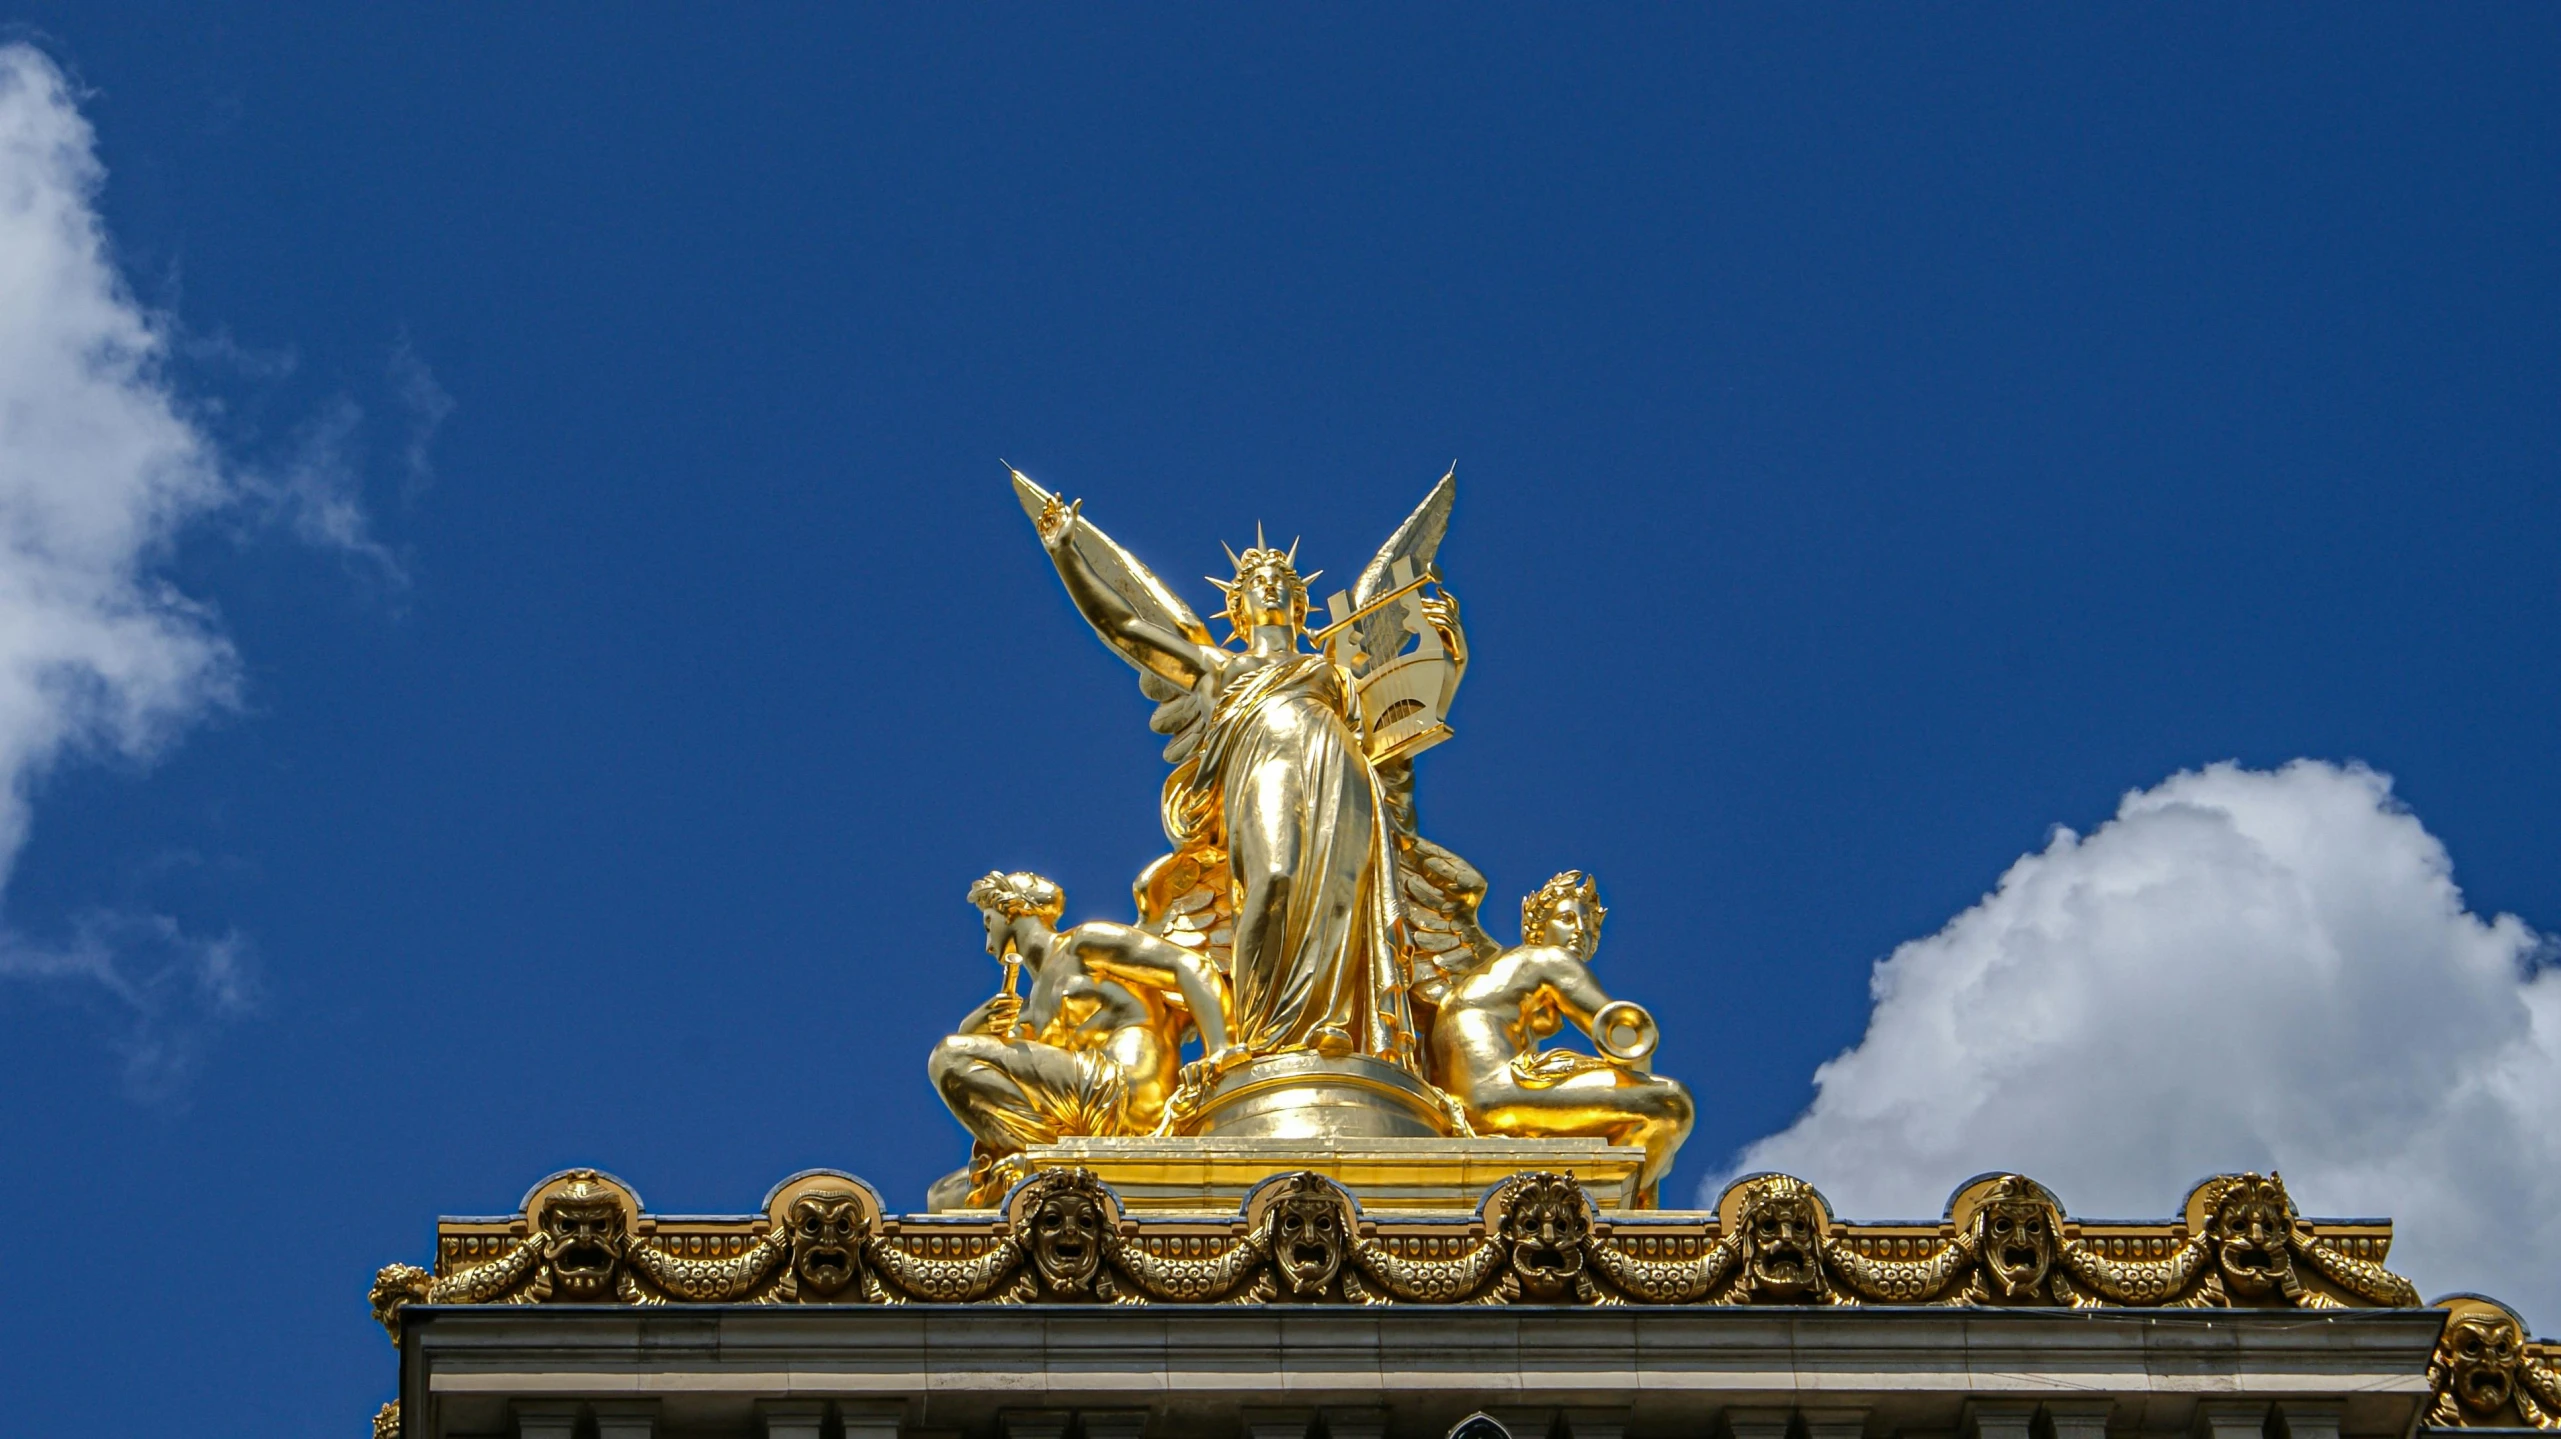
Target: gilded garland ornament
<point>1064,1237</point>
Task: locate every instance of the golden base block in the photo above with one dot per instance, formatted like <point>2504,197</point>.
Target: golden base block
<point>1210,1174</point>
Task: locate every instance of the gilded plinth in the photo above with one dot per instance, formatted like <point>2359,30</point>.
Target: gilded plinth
<point>1307,1096</point>
<point>1392,1141</point>
<point>1387,1176</point>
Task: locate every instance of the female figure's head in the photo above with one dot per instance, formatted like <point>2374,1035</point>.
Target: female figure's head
<point>1267,592</point>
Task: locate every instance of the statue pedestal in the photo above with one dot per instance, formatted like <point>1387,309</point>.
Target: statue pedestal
<point>1211,1173</point>
<point>1369,1126</point>
<point>1307,1096</point>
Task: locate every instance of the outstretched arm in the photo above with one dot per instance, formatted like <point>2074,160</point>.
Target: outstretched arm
<point>1148,645</point>
<point>1128,606</point>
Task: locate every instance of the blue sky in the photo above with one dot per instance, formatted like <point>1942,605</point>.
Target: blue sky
<point>596,645</point>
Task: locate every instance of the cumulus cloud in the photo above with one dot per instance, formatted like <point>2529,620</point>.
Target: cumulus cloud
<point>103,465</point>
<point>2242,969</point>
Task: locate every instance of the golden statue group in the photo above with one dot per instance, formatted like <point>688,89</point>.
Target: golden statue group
<point>1303,1072</point>
<point>1323,960</point>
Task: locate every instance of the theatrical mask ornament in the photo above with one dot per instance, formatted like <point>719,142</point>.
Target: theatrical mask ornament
<point>1308,1228</point>
<point>2482,1353</point>
<point>2017,1231</point>
<point>1782,1238</point>
<point>1066,1225</point>
<point>1547,1225</point>
<point>827,1233</point>
<point>1533,1238</point>
<point>584,1227</point>
<point>2251,1221</point>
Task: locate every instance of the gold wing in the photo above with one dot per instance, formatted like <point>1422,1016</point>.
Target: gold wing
<point>1441,893</point>
<point>1186,898</point>
<point>1416,542</point>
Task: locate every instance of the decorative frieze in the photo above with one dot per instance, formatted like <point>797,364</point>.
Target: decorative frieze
<point>1062,1236</point>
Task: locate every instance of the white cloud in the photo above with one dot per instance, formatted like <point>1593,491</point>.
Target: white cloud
<point>102,466</point>
<point>98,470</point>
<point>2242,969</point>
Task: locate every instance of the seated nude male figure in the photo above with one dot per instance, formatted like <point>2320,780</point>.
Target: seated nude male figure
<point>1485,1041</point>
<point>1095,1050</point>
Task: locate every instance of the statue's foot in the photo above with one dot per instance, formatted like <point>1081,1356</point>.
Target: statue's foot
<point>1193,1084</point>
<point>1179,1105</point>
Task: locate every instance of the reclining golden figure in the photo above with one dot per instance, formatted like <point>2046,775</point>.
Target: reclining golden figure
<point>1485,1040</point>
<point>1095,1049</point>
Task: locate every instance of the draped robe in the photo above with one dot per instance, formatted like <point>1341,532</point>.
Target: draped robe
<point>1282,784</point>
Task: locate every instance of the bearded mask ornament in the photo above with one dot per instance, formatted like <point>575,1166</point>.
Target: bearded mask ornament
<point>2251,1222</point>
<point>2018,1232</point>
<point>1781,1235</point>
<point>1546,1225</point>
<point>827,1233</point>
<point>586,1227</point>
<point>2481,1353</point>
<point>1307,1229</point>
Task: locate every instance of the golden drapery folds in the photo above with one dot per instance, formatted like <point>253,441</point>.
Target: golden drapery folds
<point>1276,799</point>
<point>1281,784</point>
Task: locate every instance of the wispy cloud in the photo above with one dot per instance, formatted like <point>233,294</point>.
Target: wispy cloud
<point>164,991</point>
<point>2242,969</point>
<point>315,491</point>
<point>103,465</point>
<point>427,406</point>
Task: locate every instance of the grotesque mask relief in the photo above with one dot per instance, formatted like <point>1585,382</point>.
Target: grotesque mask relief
<point>827,1233</point>
<point>1782,1239</point>
<point>1064,1227</point>
<point>586,1226</point>
<point>1067,1241</point>
<point>2018,1232</point>
<point>2480,1354</point>
<point>1309,1230</point>
<point>2248,1231</point>
<point>1546,1225</point>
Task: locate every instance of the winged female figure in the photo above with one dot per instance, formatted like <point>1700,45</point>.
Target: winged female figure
<point>1274,789</point>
